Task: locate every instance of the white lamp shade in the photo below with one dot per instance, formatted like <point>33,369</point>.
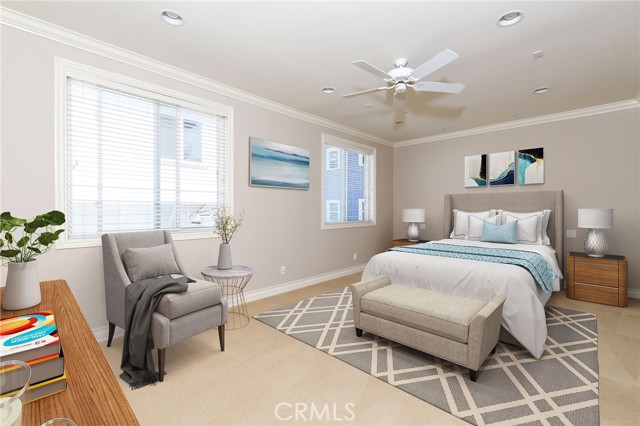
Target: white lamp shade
<point>413,215</point>
<point>595,218</point>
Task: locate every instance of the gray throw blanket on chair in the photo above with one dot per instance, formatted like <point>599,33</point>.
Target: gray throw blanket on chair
<point>141,299</point>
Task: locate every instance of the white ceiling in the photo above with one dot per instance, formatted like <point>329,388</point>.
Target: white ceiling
<point>287,51</point>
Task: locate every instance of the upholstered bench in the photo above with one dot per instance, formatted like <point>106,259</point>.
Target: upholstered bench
<point>457,329</point>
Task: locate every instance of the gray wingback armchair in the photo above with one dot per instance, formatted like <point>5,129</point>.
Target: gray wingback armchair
<point>178,316</point>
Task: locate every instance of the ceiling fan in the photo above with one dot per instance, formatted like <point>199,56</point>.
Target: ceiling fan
<point>402,77</point>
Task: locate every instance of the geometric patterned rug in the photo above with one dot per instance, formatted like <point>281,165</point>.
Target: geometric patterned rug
<point>513,388</point>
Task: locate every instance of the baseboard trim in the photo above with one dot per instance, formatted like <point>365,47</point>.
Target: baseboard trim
<point>102,333</point>
<point>633,294</point>
<point>275,290</point>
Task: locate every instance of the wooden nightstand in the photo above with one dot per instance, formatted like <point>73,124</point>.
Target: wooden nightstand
<point>597,279</point>
<point>405,242</point>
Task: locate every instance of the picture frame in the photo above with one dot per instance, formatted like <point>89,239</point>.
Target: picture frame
<point>502,168</point>
<point>531,166</point>
<point>276,165</point>
<point>475,171</point>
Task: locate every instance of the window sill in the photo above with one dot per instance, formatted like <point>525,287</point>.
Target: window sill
<point>343,225</point>
<point>64,244</point>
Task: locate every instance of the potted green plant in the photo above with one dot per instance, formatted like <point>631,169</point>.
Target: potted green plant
<point>21,240</point>
<point>225,227</point>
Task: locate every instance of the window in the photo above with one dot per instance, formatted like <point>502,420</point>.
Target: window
<point>348,183</point>
<point>134,160</point>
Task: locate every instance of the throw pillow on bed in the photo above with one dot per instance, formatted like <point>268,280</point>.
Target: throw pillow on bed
<point>529,227</point>
<point>542,225</point>
<point>476,226</point>
<point>461,222</point>
<point>492,233</point>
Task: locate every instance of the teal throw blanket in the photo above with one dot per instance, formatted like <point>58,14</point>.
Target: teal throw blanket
<point>539,268</point>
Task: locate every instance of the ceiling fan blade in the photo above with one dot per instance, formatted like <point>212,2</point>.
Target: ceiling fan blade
<point>370,68</point>
<point>351,95</point>
<point>433,64</point>
<point>433,86</point>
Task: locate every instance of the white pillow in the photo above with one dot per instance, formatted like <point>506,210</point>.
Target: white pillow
<point>543,225</point>
<point>476,226</point>
<point>529,226</point>
<point>461,222</point>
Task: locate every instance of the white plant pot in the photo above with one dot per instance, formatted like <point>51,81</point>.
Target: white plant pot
<point>23,286</point>
<point>224,257</point>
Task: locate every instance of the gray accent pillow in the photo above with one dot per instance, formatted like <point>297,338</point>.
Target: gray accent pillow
<point>141,263</point>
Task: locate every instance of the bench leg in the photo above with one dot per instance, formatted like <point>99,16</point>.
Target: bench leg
<point>473,375</point>
<point>358,332</point>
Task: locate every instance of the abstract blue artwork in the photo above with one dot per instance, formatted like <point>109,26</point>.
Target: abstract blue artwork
<point>475,171</point>
<point>277,165</point>
<point>531,166</point>
<point>502,168</point>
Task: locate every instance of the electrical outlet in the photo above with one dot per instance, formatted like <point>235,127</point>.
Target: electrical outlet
<point>355,256</point>
<point>283,270</point>
<point>571,233</point>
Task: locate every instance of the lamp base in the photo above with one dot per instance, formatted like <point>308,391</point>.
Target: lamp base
<point>413,232</point>
<point>595,244</point>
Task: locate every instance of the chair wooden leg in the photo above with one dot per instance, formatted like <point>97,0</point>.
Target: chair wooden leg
<point>112,329</point>
<point>221,336</point>
<point>161,353</point>
<point>358,332</point>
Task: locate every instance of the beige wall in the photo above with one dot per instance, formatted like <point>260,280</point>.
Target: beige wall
<point>593,159</point>
<point>281,227</point>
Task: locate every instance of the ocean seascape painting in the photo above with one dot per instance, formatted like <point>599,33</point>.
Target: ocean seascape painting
<point>276,165</point>
<point>475,171</point>
<point>531,166</point>
<point>502,168</point>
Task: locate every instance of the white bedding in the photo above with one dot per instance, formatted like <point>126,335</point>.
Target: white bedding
<point>523,312</point>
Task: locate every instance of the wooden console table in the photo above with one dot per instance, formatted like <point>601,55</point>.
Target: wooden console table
<point>93,395</point>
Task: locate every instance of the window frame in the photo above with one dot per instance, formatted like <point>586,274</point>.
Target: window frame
<point>67,69</point>
<point>335,141</point>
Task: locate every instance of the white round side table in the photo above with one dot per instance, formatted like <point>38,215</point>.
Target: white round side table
<point>232,282</point>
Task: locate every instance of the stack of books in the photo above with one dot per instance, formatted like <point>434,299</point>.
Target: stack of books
<point>33,339</point>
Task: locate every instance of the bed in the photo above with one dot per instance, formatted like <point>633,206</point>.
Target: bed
<point>523,318</point>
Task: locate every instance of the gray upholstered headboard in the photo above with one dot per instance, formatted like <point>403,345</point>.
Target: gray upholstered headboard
<point>525,201</point>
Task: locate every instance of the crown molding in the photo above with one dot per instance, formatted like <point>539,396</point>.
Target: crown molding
<point>58,34</point>
<point>567,115</point>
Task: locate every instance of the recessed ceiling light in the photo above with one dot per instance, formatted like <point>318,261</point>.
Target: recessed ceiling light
<point>510,18</point>
<point>171,18</point>
<point>540,90</point>
<point>328,90</point>
<point>518,114</point>
<point>369,105</point>
<point>446,128</point>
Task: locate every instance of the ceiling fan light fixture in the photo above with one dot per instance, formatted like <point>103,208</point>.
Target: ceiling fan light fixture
<point>541,90</point>
<point>510,18</point>
<point>171,18</point>
<point>328,90</point>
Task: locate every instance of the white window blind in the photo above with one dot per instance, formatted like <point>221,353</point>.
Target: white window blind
<point>348,183</point>
<point>136,163</point>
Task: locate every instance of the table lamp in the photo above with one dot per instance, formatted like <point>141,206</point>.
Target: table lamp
<point>595,243</point>
<point>413,217</point>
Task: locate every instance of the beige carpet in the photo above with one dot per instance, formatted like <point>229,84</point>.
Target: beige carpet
<point>263,368</point>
